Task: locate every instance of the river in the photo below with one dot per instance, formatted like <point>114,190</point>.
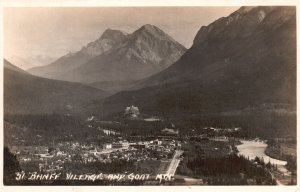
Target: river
<point>252,149</point>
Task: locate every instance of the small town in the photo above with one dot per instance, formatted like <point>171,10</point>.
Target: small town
<point>166,152</point>
<point>52,159</point>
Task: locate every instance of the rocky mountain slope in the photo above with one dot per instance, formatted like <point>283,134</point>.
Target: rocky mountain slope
<point>58,68</point>
<point>145,52</point>
<point>246,59</point>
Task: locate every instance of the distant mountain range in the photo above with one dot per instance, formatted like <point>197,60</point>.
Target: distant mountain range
<point>28,94</point>
<point>30,62</point>
<point>246,59</point>
<point>116,56</point>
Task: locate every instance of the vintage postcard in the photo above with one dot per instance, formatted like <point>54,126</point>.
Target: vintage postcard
<point>180,95</point>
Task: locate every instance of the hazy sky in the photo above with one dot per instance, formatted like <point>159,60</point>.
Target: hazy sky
<point>57,31</point>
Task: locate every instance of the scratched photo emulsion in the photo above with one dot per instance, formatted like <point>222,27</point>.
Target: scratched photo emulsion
<point>150,96</point>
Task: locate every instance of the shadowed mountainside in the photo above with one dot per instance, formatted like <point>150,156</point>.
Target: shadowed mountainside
<point>28,94</point>
<point>244,60</point>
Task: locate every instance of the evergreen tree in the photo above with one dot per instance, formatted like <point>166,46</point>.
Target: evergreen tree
<point>11,166</point>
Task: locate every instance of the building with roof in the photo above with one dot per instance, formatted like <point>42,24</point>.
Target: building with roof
<point>132,111</point>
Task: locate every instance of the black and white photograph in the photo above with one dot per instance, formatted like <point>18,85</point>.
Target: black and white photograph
<point>150,96</point>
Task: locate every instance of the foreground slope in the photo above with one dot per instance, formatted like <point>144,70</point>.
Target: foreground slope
<point>28,94</point>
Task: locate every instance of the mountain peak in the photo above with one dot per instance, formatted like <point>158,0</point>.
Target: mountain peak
<point>108,39</point>
<point>112,33</point>
<point>150,29</point>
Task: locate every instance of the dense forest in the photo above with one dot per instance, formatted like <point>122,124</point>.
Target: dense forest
<point>63,127</point>
<point>263,124</point>
<point>227,170</point>
<point>48,129</point>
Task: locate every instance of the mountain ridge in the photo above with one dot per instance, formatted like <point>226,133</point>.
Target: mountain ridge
<point>144,52</point>
<point>27,63</point>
